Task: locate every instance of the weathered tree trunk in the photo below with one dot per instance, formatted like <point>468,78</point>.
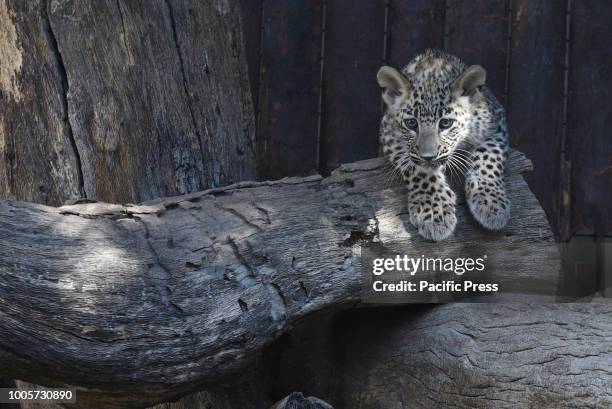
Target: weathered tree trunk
<point>122,101</point>
<point>144,303</point>
<point>38,158</point>
<point>459,356</point>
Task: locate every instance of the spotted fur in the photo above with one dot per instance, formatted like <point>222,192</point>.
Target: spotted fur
<point>441,121</point>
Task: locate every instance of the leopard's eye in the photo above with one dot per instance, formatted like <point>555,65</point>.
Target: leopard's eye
<point>446,123</point>
<point>411,123</point>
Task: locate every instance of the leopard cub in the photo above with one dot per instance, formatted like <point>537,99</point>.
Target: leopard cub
<point>441,120</point>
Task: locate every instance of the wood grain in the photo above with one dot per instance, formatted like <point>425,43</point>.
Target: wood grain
<point>460,356</point>
<point>250,17</point>
<point>183,292</point>
<point>157,95</point>
<point>38,160</point>
<point>210,44</point>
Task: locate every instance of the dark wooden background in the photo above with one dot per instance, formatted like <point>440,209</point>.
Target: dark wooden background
<point>312,66</point>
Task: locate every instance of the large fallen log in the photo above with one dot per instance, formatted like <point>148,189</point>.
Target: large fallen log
<point>142,303</point>
<point>463,356</point>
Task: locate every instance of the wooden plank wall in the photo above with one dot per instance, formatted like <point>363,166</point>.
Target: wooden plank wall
<point>289,87</point>
<point>536,93</point>
<point>413,26</point>
<point>353,54</point>
<point>477,32</point>
<point>589,141</point>
<point>546,61</point>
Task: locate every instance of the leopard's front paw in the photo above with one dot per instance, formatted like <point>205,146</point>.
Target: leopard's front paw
<point>492,213</point>
<point>433,223</point>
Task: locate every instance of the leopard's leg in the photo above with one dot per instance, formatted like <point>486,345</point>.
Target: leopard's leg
<point>431,203</point>
<point>484,183</point>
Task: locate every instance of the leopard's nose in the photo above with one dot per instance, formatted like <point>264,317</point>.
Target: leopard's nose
<point>428,158</point>
<point>428,152</point>
<point>428,145</point>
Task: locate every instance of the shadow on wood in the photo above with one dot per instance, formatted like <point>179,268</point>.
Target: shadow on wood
<point>137,304</point>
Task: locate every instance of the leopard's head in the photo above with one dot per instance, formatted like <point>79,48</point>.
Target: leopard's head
<point>430,109</point>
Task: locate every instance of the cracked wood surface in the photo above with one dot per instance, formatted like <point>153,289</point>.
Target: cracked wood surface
<point>38,162</point>
<point>141,303</point>
<point>465,356</point>
<point>123,101</point>
<point>459,356</point>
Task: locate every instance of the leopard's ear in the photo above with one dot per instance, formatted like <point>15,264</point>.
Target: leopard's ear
<point>469,82</point>
<point>395,85</point>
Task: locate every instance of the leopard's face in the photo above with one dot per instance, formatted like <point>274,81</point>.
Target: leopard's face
<point>432,112</point>
<point>426,129</point>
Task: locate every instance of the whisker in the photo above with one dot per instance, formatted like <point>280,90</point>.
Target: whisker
<point>461,159</point>
<point>394,174</point>
<point>462,155</point>
<point>462,167</point>
<point>451,167</point>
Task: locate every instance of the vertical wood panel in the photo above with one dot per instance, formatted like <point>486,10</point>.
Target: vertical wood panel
<point>353,54</point>
<point>290,88</point>
<point>477,33</point>
<point>413,27</point>
<point>589,113</point>
<point>535,106</point>
<point>250,16</point>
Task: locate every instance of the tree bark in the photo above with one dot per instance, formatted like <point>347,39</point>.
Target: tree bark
<point>143,303</point>
<point>122,101</point>
<point>463,356</point>
<point>38,160</point>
